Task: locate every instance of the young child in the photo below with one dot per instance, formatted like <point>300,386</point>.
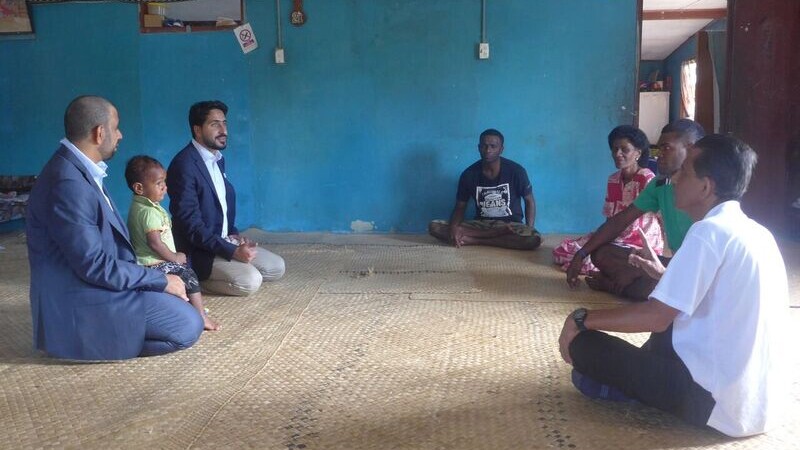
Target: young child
<point>151,229</point>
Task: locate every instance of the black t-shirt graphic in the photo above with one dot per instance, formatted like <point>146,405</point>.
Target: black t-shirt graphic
<point>494,201</point>
<point>499,198</point>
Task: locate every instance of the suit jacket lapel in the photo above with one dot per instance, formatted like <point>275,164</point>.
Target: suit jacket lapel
<point>111,212</point>
<point>201,165</point>
<point>120,225</point>
<point>203,169</point>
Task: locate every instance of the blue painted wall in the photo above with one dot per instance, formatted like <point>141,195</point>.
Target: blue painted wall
<point>373,118</point>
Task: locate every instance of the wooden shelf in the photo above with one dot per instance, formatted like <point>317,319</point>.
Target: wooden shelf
<point>190,27</point>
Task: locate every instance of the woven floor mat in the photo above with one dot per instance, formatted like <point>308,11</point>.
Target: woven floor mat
<point>15,323</point>
<point>376,371</point>
<point>511,276</point>
<point>15,312</point>
<point>403,269</point>
<point>356,240</point>
<point>296,368</point>
<point>12,238</point>
<point>160,402</point>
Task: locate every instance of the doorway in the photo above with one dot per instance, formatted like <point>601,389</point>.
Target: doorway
<point>682,63</point>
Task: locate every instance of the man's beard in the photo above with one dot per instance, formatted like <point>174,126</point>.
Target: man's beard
<point>211,144</point>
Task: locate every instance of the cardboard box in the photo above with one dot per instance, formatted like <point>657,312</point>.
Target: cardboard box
<point>153,20</point>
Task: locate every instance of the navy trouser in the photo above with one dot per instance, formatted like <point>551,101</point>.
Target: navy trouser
<point>171,324</point>
<point>652,374</point>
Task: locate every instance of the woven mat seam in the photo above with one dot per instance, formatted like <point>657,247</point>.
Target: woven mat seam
<point>414,296</point>
<point>359,245</point>
<point>255,374</point>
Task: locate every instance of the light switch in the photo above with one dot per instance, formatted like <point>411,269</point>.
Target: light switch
<point>483,50</point>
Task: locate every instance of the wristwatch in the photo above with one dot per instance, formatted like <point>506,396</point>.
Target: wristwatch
<point>579,316</point>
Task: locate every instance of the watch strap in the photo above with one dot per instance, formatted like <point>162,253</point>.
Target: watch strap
<point>579,316</point>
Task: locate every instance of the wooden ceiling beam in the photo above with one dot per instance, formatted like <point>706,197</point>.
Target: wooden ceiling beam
<point>678,14</point>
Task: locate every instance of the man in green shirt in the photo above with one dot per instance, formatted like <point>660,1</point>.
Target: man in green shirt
<point>614,274</point>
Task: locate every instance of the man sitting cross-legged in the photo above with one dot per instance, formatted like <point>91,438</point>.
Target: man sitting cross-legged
<point>716,355</point>
<point>497,185</point>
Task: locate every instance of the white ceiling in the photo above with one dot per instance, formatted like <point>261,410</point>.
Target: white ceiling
<point>661,37</point>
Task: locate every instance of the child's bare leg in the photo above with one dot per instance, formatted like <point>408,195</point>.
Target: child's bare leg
<point>196,300</point>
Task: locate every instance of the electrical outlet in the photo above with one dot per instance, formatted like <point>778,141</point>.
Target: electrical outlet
<point>483,50</point>
<point>279,59</point>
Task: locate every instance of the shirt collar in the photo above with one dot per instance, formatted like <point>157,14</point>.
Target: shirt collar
<point>144,200</point>
<point>206,154</point>
<point>728,206</point>
<point>96,170</point>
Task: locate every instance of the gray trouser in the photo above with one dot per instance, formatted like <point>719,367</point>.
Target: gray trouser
<point>242,279</point>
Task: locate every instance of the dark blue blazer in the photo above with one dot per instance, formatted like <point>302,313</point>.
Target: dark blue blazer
<point>86,288</point>
<point>196,211</point>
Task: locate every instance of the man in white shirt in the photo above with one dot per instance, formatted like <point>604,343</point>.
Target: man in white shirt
<point>203,206</point>
<point>717,353</point>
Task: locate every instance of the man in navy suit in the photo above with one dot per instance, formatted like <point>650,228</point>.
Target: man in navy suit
<point>203,206</point>
<point>89,298</point>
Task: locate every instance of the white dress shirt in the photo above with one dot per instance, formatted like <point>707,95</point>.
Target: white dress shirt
<point>97,171</point>
<point>210,159</point>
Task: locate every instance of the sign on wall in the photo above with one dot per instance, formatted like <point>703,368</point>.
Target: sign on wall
<point>14,17</point>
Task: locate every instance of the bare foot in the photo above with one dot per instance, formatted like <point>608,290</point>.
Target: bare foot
<point>457,238</point>
<point>598,281</point>
<point>209,324</point>
<point>468,240</point>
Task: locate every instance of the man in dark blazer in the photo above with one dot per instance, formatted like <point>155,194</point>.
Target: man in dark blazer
<point>203,206</point>
<point>89,298</point>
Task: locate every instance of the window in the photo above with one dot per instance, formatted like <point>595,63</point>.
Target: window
<point>688,83</point>
<point>187,16</point>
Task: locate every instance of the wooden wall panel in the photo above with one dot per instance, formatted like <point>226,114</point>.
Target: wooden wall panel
<point>764,100</point>
<point>704,89</point>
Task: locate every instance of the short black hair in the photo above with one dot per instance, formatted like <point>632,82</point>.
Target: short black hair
<point>686,128</point>
<point>84,114</point>
<point>137,167</point>
<point>200,110</point>
<point>728,161</point>
<point>493,132</point>
<point>636,137</point>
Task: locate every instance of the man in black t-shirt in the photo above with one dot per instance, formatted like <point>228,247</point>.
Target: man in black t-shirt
<point>496,185</point>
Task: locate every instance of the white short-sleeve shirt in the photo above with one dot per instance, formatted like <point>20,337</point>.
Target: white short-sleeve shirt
<point>729,282</point>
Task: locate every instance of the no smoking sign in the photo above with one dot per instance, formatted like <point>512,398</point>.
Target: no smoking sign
<point>247,39</point>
